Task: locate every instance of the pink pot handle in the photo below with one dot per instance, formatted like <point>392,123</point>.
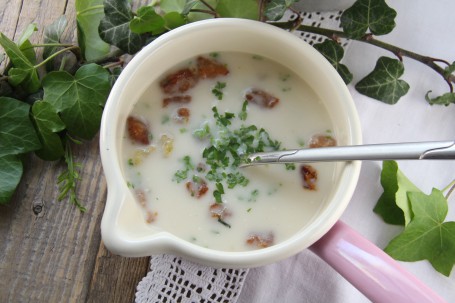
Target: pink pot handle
<point>369,269</point>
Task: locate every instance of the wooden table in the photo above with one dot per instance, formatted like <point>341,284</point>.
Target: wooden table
<point>49,251</point>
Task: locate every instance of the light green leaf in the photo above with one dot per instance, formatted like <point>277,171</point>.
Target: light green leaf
<point>10,175</point>
<point>88,16</point>
<point>48,123</point>
<point>189,4</point>
<point>427,236</point>
<point>375,15</point>
<point>275,9</point>
<point>24,43</point>
<point>174,20</point>
<point>25,70</point>
<point>147,21</point>
<point>247,9</point>
<point>115,26</point>
<point>168,6</point>
<point>334,52</point>
<point>383,82</point>
<point>17,134</point>
<point>445,99</point>
<point>79,99</point>
<point>449,69</point>
<point>393,205</point>
<point>197,16</point>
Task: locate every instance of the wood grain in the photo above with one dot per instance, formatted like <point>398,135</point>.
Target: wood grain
<point>49,251</point>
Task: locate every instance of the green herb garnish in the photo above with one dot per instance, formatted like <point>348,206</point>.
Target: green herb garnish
<point>218,90</point>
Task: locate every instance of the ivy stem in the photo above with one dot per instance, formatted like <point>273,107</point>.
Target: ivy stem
<point>369,39</point>
<point>47,44</point>
<point>113,64</point>
<point>450,188</point>
<point>55,55</point>
<point>211,11</point>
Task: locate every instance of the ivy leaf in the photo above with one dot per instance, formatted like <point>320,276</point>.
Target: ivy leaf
<point>88,16</point>
<point>24,43</point>
<point>275,9</point>
<point>174,20</point>
<point>23,73</point>
<point>168,6</point>
<point>17,134</point>
<point>445,99</point>
<point>10,175</point>
<point>334,52</point>
<point>449,70</point>
<point>246,9</point>
<point>427,236</point>
<point>393,205</point>
<point>189,4</point>
<point>197,16</point>
<point>147,21</point>
<point>52,35</point>
<point>115,26</point>
<point>48,123</point>
<point>375,15</point>
<point>79,99</point>
<point>383,82</point>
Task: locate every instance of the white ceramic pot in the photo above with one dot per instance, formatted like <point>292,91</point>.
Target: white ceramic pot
<point>122,230</point>
<point>125,232</point>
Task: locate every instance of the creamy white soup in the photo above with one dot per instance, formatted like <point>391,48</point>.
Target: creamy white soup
<point>186,136</point>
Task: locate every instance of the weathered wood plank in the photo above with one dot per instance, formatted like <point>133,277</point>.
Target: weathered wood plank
<point>49,251</point>
<point>115,278</point>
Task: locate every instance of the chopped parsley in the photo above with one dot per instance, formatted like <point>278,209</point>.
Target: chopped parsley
<point>218,192</point>
<point>243,114</point>
<point>227,148</point>
<point>182,174</point>
<point>217,91</point>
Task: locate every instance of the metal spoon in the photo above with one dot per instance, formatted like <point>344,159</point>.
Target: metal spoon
<point>443,150</point>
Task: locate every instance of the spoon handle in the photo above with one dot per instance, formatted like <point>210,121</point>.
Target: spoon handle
<point>390,151</point>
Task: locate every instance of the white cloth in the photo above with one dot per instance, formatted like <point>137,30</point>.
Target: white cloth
<point>423,27</point>
<point>172,279</point>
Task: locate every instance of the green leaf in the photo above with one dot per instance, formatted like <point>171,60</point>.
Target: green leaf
<point>10,175</point>
<point>375,15</point>
<point>189,4</point>
<point>147,21</point>
<point>334,52</point>
<point>17,134</point>
<point>275,9</point>
<point>88,16</point>
<point>52,35</point>
<point>427,236</point>
<point>24,43</point>
<point>197,16</point>
<point>115,26</point>
<point>79,99</point>
<point>247,9</point>
<point>174,20</point>
<point>168,6</point>
<point>393,205</point>
<point>383,82</point>
<point>449,70</point>
<point>24,70</point>
<point>445,99</point>
<point>48,123</point>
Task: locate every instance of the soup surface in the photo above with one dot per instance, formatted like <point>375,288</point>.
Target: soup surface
<point>186,136</point>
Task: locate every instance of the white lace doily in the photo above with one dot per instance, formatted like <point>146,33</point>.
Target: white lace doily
<point>172,279</point>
